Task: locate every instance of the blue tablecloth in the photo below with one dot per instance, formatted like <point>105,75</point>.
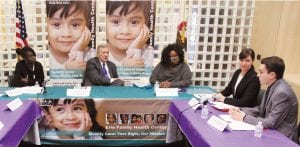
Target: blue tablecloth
<point>111,92</point>
<point>199,133</point>
<point>17,123</point>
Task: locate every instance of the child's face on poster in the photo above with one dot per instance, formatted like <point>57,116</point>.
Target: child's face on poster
<point>124,118</point>
<point>122,30</point>
<point>111,118</point>
<point>148,118</point>
<point>161,118</point>
<point>69,116</point>
<point>133,119</point>
<point>64,32</point>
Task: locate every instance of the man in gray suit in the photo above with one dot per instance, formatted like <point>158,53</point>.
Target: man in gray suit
<point>99,71</point>
<point>279,107</point>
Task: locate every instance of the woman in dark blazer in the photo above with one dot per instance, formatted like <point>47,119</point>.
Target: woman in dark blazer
<point>244,84</point>
<point>28,71</point>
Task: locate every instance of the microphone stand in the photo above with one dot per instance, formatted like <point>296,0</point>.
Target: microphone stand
<point>46,102</point>
<point>44,86</point>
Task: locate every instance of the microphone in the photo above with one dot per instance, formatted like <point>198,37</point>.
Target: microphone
<point>200,106</point>
<point>204,103</point>
<point>46,102</point>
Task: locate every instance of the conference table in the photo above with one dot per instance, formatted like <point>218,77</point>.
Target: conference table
<point>18,122</point>
<point>109,92</point>
<point>199,133</point>
<point>114,100</point>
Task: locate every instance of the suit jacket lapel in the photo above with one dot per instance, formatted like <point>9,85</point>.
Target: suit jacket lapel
<point>243,81</point>
<point>267,99</point>
<point>241,84</point>
<point>269,96</point>
<point>109,69</point>
<point>99,66</point>
<point>233,85</point>
<point>263,105</point>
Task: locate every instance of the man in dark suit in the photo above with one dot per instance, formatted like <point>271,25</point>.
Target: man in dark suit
<point>279,107</point>
<point>100,71</point>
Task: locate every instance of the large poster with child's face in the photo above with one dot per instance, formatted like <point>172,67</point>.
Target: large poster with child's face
<point>71,38</point>
<point>119,122</point>
<point>130,37</point>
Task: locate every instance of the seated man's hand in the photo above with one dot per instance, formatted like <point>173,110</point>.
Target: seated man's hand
<point>219,97</point>
<point>117,82</point>
<point>165,84</point>
<point>236,114</point>
<point>25,80</point>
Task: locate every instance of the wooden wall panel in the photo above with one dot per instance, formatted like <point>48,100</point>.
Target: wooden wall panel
<point>288,45</point>
<point>276,31</point>
<point>266,21</point>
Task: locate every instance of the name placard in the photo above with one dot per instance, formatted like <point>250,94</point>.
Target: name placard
<point>83,91</point>
<point>217,123</point>
<point>14,92</point>
<point>166,92</point>
<point>15,104</point>
<point>194,103</point>
<point>1,125</point>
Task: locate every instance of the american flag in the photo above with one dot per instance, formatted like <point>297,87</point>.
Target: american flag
<point>21,35</point>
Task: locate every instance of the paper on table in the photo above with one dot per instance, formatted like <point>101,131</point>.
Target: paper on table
<point>14,92</point>
<point>142,83</point>
<point>235,125</point>
<point>204,97</point>
<point>24,90</point>
<point>32,89</point>
<point>221,106</point>
<point>166,92</point>
<point>83,91</point>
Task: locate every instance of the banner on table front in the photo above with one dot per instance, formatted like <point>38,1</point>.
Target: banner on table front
<point>101,120</point>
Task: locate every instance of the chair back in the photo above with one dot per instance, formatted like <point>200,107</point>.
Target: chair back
<point>299,132</point>
<point>260,96</point>
<point>10,80</point>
